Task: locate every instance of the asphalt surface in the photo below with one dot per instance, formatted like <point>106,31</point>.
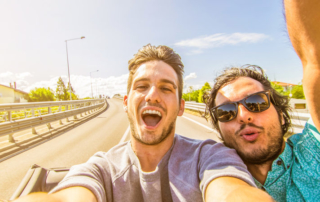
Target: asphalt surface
<point>77,145</point>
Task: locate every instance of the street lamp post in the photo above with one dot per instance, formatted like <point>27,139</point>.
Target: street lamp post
<point>68,63</point>
<point>91,82</point>
<point>290,95</point>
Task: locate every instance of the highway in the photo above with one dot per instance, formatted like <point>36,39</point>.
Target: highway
<point>77,145</point>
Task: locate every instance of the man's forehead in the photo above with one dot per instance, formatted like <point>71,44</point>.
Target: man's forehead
<point>155,71</point>
<point>238,89</point>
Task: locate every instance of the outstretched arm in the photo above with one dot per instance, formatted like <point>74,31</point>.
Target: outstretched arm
<point>303,17</point>
<point>233,189</point>
<point>79,194</point>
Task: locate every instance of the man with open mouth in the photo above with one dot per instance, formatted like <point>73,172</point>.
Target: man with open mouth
<point>252,117</point>
<point>157,164</point>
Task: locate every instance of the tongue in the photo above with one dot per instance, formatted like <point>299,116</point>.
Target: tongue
<point>151,120</point>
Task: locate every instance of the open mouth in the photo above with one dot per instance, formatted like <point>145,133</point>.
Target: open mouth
<point>151,117</point>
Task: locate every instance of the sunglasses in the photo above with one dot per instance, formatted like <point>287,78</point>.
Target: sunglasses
<point>257,102</point>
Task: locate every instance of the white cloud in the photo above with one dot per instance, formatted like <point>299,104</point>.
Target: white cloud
<point>20,79</point>
<point>221,39</point>
<point>6,74</point>
<point>190,76</point>
<point>23,75</point>
<point>82,85</point>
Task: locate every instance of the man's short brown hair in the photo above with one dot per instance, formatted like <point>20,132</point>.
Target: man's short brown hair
<point>163,53</point>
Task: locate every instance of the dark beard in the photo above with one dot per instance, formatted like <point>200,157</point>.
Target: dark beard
<point>165,133</point>
<point>261,156</point>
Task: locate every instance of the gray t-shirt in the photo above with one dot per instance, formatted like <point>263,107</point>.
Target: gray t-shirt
<point>183,174</point>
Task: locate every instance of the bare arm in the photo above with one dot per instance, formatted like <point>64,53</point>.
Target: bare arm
<point>303,17</point>
<point>72,194</point>
<point>233,189</point>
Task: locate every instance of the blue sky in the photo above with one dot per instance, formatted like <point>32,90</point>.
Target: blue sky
<point>208,35</point>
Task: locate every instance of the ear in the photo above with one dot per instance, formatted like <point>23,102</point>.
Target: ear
<point>125,103</point>
<point>181,110</point>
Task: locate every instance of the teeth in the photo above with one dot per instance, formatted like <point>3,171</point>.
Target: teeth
<point>152,112</point>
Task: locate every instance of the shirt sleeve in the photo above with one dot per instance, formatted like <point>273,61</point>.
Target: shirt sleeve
<point>90,175</point>
<point>220,161</point>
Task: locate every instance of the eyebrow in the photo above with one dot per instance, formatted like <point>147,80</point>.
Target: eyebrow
<point>161,80</point>
<point>168,81</point>
<point>224,102</point>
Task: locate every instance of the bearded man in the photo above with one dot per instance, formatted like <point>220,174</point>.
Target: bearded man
<point>253,118</point>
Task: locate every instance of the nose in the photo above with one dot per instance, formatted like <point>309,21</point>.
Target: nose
<point>153,95</point>
<point>244,115</point>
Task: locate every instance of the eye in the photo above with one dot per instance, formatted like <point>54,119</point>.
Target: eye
<point>142,87</point>
<point>164,88</point>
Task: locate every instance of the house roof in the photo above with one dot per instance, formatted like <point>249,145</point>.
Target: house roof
<point>20,91</point>
<point>283,84</point>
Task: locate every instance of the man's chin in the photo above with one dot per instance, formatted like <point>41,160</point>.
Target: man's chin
<point>150,139</point>
<point>258,156</point>
<point>154,137</point>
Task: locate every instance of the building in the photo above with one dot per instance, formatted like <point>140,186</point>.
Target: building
<point>286,86</point>
<point>10,94</point>
<point>299,105</point>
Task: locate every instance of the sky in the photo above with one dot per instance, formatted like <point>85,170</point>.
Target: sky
<point>208,35</point>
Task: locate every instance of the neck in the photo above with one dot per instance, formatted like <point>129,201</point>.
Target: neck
<point>150,155</point>
<point>260,171</point>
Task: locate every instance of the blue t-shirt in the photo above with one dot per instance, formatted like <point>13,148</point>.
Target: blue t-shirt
<point>295,174</point>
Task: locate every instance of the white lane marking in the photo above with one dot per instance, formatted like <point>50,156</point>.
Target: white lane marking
<point>199,124</point>
<point>125,135</point>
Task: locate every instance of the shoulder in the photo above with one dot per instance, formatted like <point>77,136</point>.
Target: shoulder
<point>115,160</point>
<point>113,153</point>
<point>207,146</point>
<point>181,141</point>
<point>202,151</point>
<point>309,135</point>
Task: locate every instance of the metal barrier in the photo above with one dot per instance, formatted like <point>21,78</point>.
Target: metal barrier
<point>9,126</point>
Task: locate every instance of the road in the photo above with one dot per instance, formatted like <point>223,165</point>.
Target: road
<point>77,145</point>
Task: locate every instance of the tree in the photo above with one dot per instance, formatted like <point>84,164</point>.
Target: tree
<point>41,94</point>
<point>61,91</point>
<point>205,88</point>
<point>191,95</point>
<point>74,96</point>
<point>278,88</point>
<point>297,92</point>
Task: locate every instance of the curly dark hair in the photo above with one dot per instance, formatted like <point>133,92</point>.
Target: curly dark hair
<point>280,102</point>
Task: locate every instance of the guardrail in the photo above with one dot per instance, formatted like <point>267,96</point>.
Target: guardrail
<point>65,109</point>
